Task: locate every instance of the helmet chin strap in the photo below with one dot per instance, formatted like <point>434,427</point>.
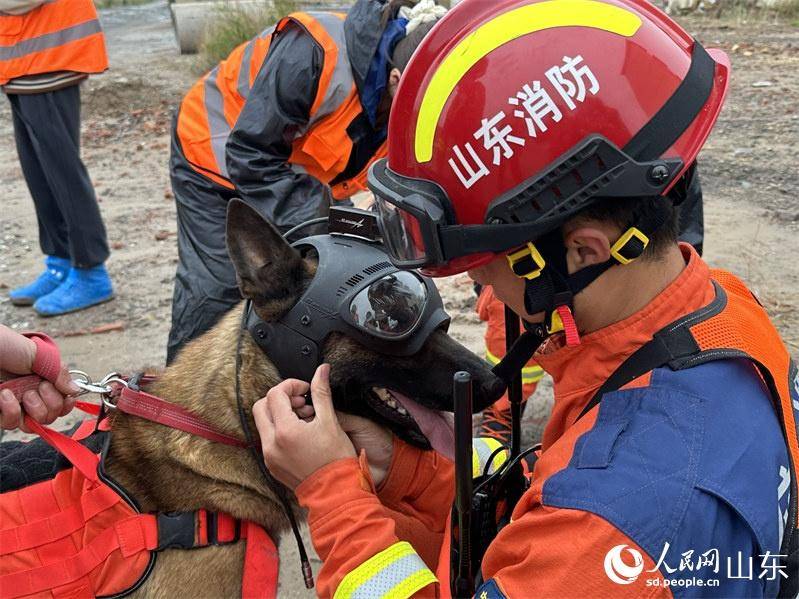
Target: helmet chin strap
<point>552,291</point>
<point>549,288</point>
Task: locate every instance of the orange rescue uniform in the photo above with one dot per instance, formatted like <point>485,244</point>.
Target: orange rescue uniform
<point>551,548</point>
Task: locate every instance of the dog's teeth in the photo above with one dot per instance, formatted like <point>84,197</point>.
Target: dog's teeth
<point>402,411</point>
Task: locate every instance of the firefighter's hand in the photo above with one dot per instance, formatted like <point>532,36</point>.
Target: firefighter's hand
<point>376,440</point>
<point>293,447</point>
<point>45,404</point>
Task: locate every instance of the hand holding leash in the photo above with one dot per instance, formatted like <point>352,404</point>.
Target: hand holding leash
<point>46,390</point>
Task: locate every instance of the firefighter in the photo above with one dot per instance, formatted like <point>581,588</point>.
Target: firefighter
<point>289,122</point>
<point>47,48</point>
<point>542,148</point>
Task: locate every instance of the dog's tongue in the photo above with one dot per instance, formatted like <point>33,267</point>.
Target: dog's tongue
<point>437,426</point>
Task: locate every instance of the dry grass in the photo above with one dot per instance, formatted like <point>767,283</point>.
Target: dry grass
<point>233,25</point>
<point>749,10</point>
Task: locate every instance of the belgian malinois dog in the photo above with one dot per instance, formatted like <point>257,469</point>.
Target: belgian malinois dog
<point>168,470</point>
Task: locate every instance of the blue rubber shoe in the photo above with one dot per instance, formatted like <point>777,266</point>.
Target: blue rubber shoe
<point>84,287</point>
<point>55,273</point>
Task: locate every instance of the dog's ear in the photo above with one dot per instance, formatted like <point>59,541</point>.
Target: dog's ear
<point>270,272</point>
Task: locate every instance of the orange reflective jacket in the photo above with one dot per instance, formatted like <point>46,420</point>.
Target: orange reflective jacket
<point>209,111</point>
<point>79,534</point>
<point>63,35</point>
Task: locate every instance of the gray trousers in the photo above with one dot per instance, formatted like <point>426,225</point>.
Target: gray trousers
<point>47,134</point>
<point>692,215</point>
<point>205,281</point>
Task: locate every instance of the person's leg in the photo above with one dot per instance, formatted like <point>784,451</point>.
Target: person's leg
<point>692,219</point>
<point>53,238</point>
<point>205,281</point>
<point>70,182</point>
<point>53,122</point>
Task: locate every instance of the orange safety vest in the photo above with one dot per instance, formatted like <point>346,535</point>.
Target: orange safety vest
<point>210,110</point>
<point>59,35</point>
<point>80,534</point>
<point>734,325</point>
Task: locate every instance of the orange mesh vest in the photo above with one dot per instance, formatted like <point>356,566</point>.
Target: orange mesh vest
<point>79,534</point>
<point>63,35</point>
<point>209,111</point>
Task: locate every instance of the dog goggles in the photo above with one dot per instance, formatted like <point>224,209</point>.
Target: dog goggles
<point>391,307</point>
<point>356,291</point>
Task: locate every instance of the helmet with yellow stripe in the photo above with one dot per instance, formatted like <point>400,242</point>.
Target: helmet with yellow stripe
<point>515,115</point>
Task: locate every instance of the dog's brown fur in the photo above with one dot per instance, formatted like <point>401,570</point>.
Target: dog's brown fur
<point>168,470</point>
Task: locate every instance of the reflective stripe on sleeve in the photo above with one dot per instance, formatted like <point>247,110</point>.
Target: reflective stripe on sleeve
<point>482,448</point>
<point>394,573</point>
<point>217,123</point>
<point>341,82</point>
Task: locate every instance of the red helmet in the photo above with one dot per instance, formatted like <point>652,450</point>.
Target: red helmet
<point>513,115</point>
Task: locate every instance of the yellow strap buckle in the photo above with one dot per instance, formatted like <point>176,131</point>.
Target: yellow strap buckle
<point>556,324</point>
<point>526,263</point>
<point>633,243</point>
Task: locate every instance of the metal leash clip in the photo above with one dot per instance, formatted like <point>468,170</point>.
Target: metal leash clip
<point>104,388</point>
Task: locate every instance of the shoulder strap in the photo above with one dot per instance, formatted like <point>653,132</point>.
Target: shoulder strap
<point>673,346</point>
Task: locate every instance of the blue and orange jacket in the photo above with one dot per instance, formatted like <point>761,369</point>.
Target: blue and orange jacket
<point>663,486</point>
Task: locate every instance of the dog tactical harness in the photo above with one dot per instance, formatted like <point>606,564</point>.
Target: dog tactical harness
<point>80,534</point>
<point>71,530</point>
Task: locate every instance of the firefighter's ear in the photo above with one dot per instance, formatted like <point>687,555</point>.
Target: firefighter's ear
<point>269,271</point>
<point>393,81</point>
<point>587,245</point>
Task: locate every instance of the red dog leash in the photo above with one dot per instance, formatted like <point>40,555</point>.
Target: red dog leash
<point>47,366</point>
<point>152,408</point>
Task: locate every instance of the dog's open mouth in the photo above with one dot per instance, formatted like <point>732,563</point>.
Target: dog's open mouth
<point>435,426</point>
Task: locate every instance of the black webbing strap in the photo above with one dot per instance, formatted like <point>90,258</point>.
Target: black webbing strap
<point>652,215</point>
<point>673,346</point>
<point>679,111</point>
<point>518,355</point>
<point>646,358</point>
